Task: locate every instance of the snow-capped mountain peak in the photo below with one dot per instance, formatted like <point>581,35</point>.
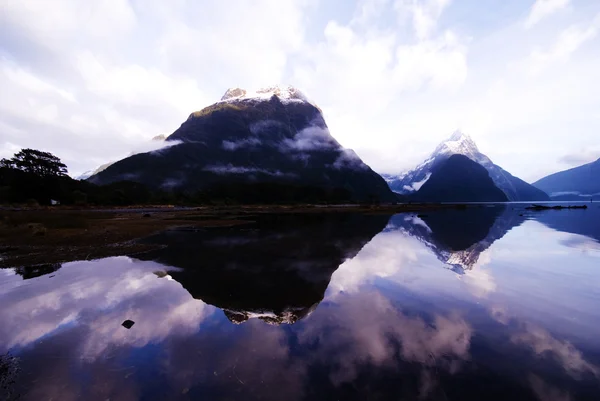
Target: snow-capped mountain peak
<point>462,144</point>
<point>285,93</point>
<point>458,143</point>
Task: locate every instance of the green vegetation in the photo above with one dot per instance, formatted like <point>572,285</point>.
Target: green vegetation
<point>217,107</point>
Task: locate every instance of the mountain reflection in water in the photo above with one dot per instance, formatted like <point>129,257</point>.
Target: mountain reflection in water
<point>460,305</point>
<point>457,237</point>
<point>277,269</point>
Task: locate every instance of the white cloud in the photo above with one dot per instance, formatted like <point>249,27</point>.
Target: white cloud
<point>91,81</point>
<point>424,14</point>
<point>569,41</point>
<point>565,353</point>
<point>542,9</point>
<point>99,295</point>
<point>310,138</point>
<point>367,327</point>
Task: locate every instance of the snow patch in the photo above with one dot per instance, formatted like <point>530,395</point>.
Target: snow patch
<point>285,93</point>
<point>415,186</point>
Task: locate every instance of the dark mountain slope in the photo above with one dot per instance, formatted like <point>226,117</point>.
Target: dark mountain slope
<point>459,179</point>
<point>241,141</point>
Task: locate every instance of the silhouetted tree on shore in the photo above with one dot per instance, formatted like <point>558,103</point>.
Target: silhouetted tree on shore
<point>36,162</point>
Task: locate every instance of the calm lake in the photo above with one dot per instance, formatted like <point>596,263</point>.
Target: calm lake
<point>490,303</point>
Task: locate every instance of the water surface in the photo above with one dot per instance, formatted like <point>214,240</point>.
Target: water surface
<point>491,303</point>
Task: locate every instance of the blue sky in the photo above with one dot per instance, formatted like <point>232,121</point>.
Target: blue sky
<point>92,81</point>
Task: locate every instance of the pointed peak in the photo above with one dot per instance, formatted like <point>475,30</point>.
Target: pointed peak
<point>458,143</point>
<point>458,135</point>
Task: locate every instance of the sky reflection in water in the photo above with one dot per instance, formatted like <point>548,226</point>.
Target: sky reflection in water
<point>489,304</point>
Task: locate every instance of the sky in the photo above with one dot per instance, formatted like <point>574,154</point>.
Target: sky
<point>92,81</point>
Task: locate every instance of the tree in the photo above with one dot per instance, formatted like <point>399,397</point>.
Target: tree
<point>40,163</point>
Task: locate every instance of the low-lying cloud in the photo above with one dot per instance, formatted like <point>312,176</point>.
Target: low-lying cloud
<point>242,144</point>
<point>231,169</point>
<point>584,156</point>
<point>260,127</point>
<point>310,138</point>
<point>348,159</point>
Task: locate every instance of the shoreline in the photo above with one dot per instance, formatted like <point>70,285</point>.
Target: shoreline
<point>35,236</point>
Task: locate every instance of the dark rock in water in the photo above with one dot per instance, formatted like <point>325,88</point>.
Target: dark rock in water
<point>146,215</point>
<point>459,179</point>
<point>558,207</point>
<point>29,272</point>
<point>270,146</point>
<point>128,324</point>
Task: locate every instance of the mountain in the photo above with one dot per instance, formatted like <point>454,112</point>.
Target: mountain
<point>579,182</point>
<point>276,268</point>
<point>458,237</point>
<point>154,144</point>
<point>459,179</point>
<point>460,143</point>
<point>90,173</point>
<point>273,136</point>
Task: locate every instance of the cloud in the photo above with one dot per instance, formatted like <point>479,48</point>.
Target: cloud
<point>365,329</point>
<point>542,9</point>
<point>568,41</point>
<point>424,14</point>
<point>241,144</point>
<point>310,138</point>
<point>99,295</point>
<point>260,127</point>
<point>547,392</point>
<point>384,257</point>
<point>348,159</point>
<point>583,156</point>
<point>231,169</point>
<point>541,342</point>
<point>394,77</point>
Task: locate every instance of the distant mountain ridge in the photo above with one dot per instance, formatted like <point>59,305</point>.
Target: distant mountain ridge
<point>274,135</point>
<point>578,182</point>
<point>462,144</point>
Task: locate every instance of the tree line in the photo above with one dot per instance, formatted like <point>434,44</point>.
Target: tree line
<point>34,177</point>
